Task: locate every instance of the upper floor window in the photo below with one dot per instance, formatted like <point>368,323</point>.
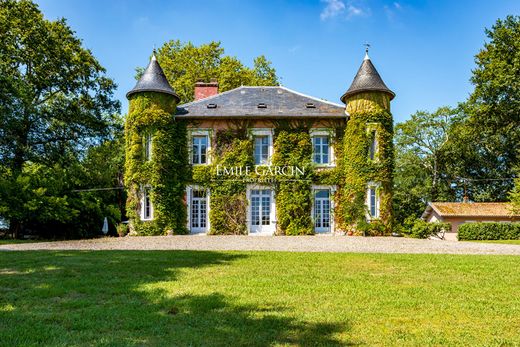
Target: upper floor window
<point>147,147</point>
<point>322,151</point>
<point>320,145</point>
<point>373,148</point>
<point>261,150</point>
<point>373,145</point>
<point>262,146</point>
<point>200,147</point>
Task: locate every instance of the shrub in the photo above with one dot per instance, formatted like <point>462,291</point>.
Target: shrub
<point>374,228</point>
<point>489,231</point>
<point>122,229</point>
<point>423,230</point>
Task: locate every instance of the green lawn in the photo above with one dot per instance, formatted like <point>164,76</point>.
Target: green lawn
<point>188,298</point>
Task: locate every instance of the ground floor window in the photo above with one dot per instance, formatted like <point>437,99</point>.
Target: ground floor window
<point>322,210</point>
<point>372,201</point>
<point>146,205</point>
<point>197,209</point>
<point>261,210</point>
<point>260,207</point>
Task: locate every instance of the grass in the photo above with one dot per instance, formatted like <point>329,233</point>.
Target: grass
<point>189,298</point>
<point>509,242</point>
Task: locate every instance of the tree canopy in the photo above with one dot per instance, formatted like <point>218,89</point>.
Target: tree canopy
<point>184,64</point>
<point>421,174</point>
<point>55,103</point>
<point>473,150</point>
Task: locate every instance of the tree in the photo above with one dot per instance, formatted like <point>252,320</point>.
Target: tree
<point>55,102</point>
<point>486,144</point>
<point>420,171</point>
<point>184,64</point>
<point>514,195</point>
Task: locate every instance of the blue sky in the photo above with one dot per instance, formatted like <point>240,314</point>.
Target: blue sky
<point>424,50</point>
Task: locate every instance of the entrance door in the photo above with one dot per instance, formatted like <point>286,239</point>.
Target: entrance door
<point>322,211</point>
<point>199,211</point>
<point>261,211</point>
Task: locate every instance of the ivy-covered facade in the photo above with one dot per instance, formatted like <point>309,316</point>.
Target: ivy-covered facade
<point>259,160</point>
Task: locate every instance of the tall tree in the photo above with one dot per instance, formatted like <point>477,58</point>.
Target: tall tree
<point>184,64</point>
<point>491,135</point>
<point>420,171</point>
<point>55,100</point>
<point>515,196</point>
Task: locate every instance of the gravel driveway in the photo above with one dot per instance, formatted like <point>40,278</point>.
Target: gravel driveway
<point>274,243</point>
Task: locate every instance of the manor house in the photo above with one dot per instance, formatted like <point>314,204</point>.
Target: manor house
<point>258,160</point>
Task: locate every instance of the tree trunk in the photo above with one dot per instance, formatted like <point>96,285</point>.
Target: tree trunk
<point>434,181</point>
<point>15,227</point>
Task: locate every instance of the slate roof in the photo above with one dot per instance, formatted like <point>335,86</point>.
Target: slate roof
<point>367,79</point>
<point>269,102</point>
<point>153,80</point>
<point>470,209</point>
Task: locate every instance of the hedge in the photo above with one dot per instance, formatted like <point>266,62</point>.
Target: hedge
<point>489,231</point>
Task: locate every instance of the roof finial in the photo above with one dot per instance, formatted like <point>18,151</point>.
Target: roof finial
<point>367,46</point>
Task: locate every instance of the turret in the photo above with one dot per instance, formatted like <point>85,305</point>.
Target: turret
<point>153,150</point>
<point>368,152</point>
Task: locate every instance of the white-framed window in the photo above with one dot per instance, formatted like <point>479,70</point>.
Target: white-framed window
<point>198,209</point>
<point>372,201</point>
<point>322,149</point>
<point>262,210</point>
<point>322,208</point>
<point>148,146</point>
<point>146,204</point>
<point>373,149</point>
<point>200,144</point>
<point>262,146</point>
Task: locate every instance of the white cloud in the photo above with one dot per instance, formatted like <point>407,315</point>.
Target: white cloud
<point>354,11</point>
<point>349,9</point>
<point>333,8</point>
<point>391,11</point>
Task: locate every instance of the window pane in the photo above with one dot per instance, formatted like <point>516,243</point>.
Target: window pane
<point>373,145</point>
<point>321,149</point>
<point>199,149</point>
<point>322,208</point>
<point>373,202</point>
<point>322,193</point>
<point>261,150</point>
<point>147,204</point>
<point>148,146</point>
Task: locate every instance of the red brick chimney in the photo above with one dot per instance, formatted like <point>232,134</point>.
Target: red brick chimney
<point>204,89</point>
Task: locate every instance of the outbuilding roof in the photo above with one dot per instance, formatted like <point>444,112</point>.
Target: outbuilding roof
<point>470,209</point>
<point>271,102</point>
<point>153,80</point>
<point>367,79</point>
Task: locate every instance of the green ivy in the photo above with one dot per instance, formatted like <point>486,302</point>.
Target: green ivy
<point>167,171</point>
<point>293,147</point>
<point>368,111</point>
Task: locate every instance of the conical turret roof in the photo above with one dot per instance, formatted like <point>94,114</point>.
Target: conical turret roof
<point>153,80</point>
<point>367,80</point>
